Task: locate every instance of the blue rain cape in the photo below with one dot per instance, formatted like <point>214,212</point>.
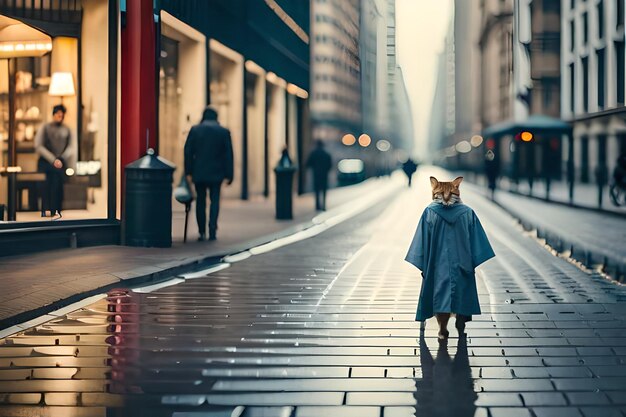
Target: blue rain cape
<point>448,244</point>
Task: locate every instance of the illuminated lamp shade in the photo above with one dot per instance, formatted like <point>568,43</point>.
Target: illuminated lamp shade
<point>365,140</point>
<point>348,139</point>
<point>526,136</point>
<point>62,84</point>
<point>20,40</point>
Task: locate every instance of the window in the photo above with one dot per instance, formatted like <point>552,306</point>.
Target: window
<point>584,159</point>
<point>76,60</point>
<point>585,29</point>
<point>619,52</point>
<point>600,19</point>
<point>620,13</point>
<point>572,90</point>
<point>600,56</point>
<point>585,62</point>
<point>572,35</point>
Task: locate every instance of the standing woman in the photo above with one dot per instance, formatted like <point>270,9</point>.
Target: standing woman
<point>56,145</point>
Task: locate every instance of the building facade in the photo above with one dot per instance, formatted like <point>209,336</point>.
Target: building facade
<point>592,85</point>
<point>250,61</point>
<point>336,103</point>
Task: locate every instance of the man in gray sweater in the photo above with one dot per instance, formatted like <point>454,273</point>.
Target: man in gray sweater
<point>56,145</point>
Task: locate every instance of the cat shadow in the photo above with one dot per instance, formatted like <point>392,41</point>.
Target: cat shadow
<point>447,387</point>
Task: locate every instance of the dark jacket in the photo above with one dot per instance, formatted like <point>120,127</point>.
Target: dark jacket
<point>209,153</point>
<point>320,162</point>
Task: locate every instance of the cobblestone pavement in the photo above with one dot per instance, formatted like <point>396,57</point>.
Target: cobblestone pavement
<point>324,327</point>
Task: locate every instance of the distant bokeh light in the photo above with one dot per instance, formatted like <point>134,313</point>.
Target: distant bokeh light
<point>383,145</point>
<point>476,141</point>
<point>348,139</point>
<point>365,140</point>
<point>463,147</point>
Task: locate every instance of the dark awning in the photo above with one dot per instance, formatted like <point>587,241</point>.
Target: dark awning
<point>536,123</point>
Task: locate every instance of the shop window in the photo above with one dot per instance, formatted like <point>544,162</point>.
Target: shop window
<point>54,169</point>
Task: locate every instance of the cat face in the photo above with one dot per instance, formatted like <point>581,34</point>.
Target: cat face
<point>446,193</point>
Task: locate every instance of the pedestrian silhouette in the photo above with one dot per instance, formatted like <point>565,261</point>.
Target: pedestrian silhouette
<point>208,162</point>
<point>320,163</point>
<point>491,171</point>
<point>409,168</point>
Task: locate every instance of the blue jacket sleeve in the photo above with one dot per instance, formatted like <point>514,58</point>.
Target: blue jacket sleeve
<point>480,246</point>
<point>418,251</point>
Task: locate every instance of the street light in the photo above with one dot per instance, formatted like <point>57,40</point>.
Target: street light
<point>383,145</point>
<point>463,147</point>
<point>348,139</point>
<point>476,141</point>
<point>526,136</point>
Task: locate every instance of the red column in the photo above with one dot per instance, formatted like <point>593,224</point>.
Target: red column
<point>138,95</point>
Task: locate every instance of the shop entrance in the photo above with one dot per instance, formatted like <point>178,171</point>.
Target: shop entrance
<point>182,87</point>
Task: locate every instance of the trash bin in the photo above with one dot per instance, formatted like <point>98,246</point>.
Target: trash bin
<point>148,202</point>
<point>284,187</point>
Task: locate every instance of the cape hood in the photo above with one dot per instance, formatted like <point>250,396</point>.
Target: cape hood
<point>449,213</point>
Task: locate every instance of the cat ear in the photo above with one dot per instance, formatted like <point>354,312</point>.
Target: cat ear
<point>457,181</point>
<point>433,182</point>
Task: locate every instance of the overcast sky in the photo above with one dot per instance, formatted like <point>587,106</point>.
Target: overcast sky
<point>421,27</point>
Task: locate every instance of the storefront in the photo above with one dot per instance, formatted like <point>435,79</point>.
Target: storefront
<point>58,53</point>
<point>248,60</point>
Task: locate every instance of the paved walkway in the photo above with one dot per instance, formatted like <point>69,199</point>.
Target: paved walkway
<point>593,238</point>
<point>324,327</point>
<point>585,195</point>
<point>33,281</point>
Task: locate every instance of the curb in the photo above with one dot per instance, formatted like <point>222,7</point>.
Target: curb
<point>613,266</point>
<point>194,264</point>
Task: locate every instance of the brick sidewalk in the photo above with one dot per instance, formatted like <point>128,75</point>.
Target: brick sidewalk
<point>36,283</point>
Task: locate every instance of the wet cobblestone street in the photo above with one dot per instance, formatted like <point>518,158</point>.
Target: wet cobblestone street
<point>325,327</point>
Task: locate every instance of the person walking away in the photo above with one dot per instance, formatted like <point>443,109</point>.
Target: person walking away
<point>55,143</point>
<point>448,245</point>
<point>491,171</point>
<point>208,162</point>
<point>320,163</point>
<point>409,168</point>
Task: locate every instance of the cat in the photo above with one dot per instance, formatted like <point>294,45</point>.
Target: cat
<point>446,193</point>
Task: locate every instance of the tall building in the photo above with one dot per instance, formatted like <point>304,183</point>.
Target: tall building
<point>592,85</point>
<point>336,107</point>
<point>356,84</point>
<point>496,61</point>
